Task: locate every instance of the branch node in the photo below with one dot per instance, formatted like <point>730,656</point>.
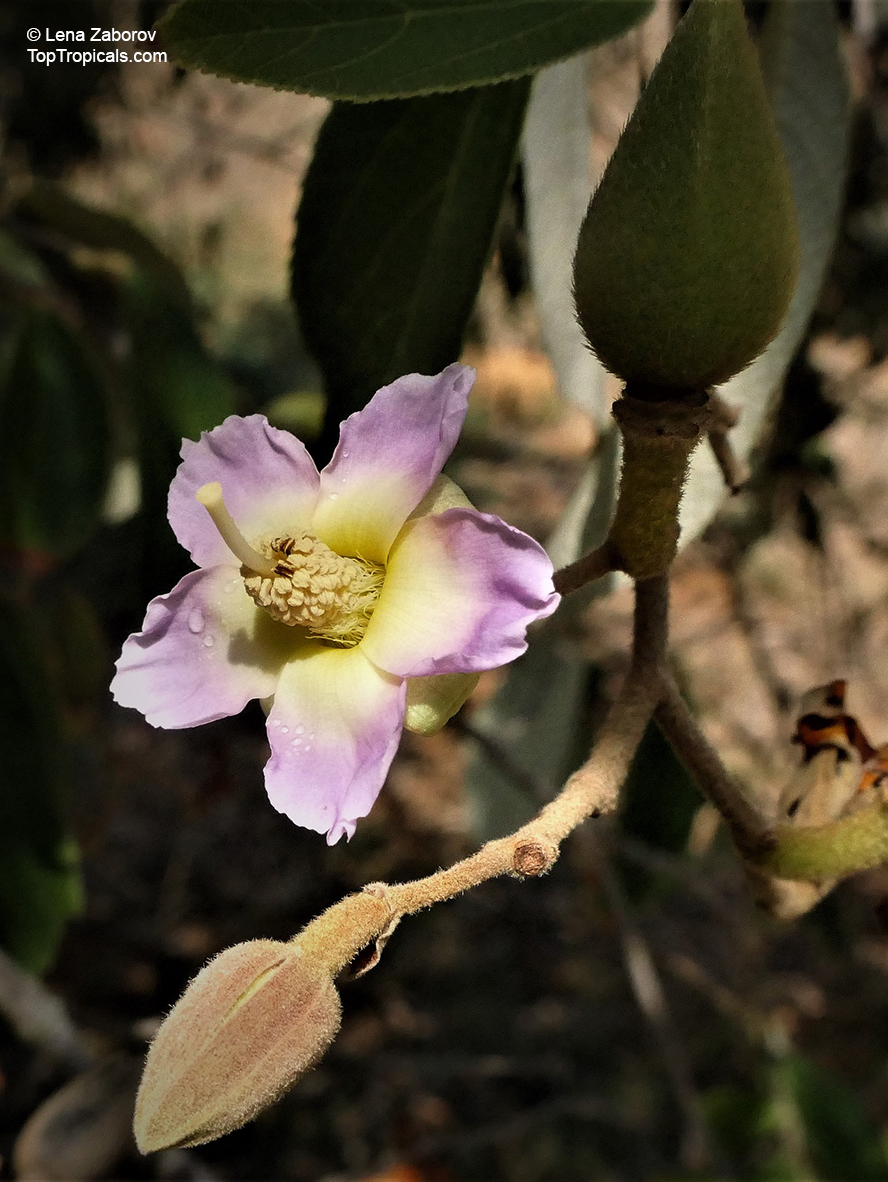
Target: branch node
<point>532,858</point>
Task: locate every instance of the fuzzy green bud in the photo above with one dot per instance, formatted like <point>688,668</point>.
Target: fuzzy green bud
<point>687,259</point>
<point>249,1024</point>
<point>846,846</point>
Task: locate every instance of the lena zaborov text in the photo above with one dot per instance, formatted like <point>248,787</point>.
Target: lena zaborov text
<point>99,34</point>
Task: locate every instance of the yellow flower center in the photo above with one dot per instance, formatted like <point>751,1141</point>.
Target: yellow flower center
<point>314,586</point>
<point>299,580</point>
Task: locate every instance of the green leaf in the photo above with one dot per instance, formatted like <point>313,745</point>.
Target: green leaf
<point>54,434</point>
<point>687,259</point>
<point>178,390</point>
<point>396,222</point>
<point>807,83</point>
<point>841,1141</point>
<point>660,797</point>
<point>178,385</point>
<point>19,264</point>
<point>84,225</point>
<point>372,49</point>
<point>39,880</point>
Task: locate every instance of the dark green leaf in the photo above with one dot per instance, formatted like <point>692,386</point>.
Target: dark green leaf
<point>83,225</point>
<point>395,226</point>
<point>20,265</point>
<point>39,882</point>
<point>53,434</point>
<point>178,391</point>
<point>371,49</point>
<point>842,1143</point>
<point>659,797</point>
<point>177,383</point>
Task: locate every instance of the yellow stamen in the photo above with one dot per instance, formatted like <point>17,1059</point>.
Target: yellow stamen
<point>210,496</point>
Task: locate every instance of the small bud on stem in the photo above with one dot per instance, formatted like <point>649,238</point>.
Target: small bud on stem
<point>249,1024</point>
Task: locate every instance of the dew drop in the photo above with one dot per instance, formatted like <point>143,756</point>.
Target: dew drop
<point>307,747</point>
<point>345,455</point>
<point>334,496</point>
<point>195,621</point>
<point>285,730</point>
<point>209,641</point>
<point>275,722</point>
<point>300,730</point>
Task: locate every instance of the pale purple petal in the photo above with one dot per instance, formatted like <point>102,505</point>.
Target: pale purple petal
<point>461,588</point>
<point>388,457</point>
<point>204,652</point>
<point>269,482</point>
<point>333,729</point>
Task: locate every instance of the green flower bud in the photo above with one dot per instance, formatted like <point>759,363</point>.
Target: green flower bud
<point>249,1024</point>
<point>687,258</point>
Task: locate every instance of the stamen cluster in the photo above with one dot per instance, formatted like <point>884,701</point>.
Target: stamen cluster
<point>313,586</point>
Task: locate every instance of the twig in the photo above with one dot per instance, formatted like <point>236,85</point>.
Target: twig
<point>748,828</point>
<point>733,469</point>
<point>335,937</point>
<point>39,1017</point>
<point>588,569</point>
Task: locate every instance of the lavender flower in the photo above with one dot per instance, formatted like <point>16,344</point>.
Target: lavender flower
<point>338,599</point>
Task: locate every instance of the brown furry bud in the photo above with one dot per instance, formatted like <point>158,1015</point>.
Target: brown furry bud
<point>249,1024</point>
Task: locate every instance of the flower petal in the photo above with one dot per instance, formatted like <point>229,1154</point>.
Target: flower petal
<point>387,459</point>
<point>269,482</point>
<point>334,729</point>
<point>460,590</point>
<point>205,650</point>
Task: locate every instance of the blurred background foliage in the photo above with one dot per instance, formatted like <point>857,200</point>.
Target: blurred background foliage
<point>632,1016</point>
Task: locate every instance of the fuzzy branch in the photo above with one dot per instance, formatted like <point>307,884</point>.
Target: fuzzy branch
<point>748,828</point>
<point>339,934</point>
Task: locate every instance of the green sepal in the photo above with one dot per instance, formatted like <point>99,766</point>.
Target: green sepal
<point>433,701</point>
<point>687,258</point>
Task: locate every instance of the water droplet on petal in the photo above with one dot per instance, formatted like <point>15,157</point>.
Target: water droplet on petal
<point>300,730</point>
<point>345,455</point>
<point>285,730</point>
<point>275,722</point>
<point>209,641</point>
<point>334,496</point>
<point>196,621</point>
<point>307,747</point>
